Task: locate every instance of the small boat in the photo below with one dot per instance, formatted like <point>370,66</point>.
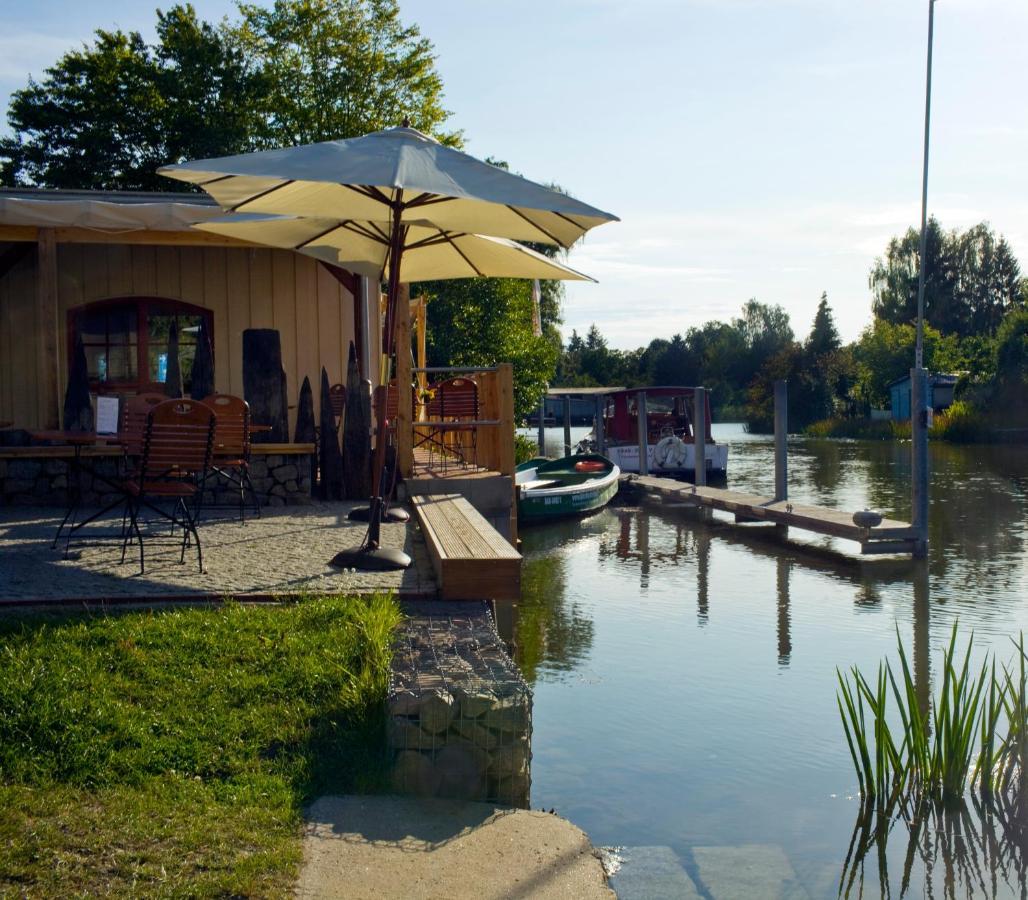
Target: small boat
<point>670,442</point>
<point>572,486</point>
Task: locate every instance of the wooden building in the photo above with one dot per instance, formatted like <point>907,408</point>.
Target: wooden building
<point>117,268</point>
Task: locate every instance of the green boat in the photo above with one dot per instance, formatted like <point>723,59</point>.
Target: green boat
<point>572,486</point>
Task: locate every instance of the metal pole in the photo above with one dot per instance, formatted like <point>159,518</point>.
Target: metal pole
<point>600,432</point>
<point>919,459</point>
<point>541,433</point>
<point>640,408</point>
<point>567,424</point>
<point>918,385</point>
<point>781,432</point>
<point>699,437</point>
<point>919,351</point>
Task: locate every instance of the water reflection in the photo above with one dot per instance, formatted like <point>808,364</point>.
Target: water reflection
<point>684,668</point>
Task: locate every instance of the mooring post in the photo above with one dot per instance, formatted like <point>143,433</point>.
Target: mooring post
<point>781,430</point>
<point>542,424</point>
<point>919,459</point>
<point>567,424</point>
<point>599,431</point>
<point>640,409</point>
<point>699,440</point>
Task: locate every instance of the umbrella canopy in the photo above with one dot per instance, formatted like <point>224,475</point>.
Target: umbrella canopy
<point>429,253</point>
<point>399,170</point>
<point>173,378</point>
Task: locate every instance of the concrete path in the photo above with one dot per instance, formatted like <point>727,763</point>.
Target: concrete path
<point>286,551</point>
<point>385,847</point>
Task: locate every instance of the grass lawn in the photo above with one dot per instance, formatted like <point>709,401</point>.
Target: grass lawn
<point>171,753</point>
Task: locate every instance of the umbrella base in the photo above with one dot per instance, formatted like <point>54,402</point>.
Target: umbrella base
<point>381,559</point>
<point>363,514</point>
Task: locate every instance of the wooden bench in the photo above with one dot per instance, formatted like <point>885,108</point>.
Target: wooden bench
<point>472,560</point>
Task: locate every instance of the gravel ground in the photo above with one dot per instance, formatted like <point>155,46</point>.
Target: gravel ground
<point>286,551</point>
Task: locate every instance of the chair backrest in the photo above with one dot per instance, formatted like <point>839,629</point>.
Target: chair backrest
<point>179,439</point>
<point>455,398</point>
<point>231,425</point>
<point>133,414</point>
<point>337,398</point>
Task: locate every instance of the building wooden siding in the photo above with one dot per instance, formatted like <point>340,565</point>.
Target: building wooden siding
<point>243,287</point>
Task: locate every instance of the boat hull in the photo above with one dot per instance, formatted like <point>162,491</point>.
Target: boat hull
<point>626,457</point>
<point>542,496</point>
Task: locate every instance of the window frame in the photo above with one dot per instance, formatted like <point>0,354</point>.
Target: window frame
<point>142,307</point>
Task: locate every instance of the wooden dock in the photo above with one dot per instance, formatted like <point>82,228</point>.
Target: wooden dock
<point>890,536</point>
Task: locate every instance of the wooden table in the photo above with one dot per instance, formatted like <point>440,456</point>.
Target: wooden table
<point>78,440</point>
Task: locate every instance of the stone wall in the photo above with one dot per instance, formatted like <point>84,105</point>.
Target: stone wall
<point>279,479</point>
<point>459,713</point>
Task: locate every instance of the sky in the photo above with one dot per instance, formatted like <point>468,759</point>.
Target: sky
<point>751,148</point>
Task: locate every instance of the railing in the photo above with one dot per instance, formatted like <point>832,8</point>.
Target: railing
<point>494,427</point>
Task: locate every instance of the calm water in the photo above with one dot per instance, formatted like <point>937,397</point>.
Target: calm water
<point>684,672</point>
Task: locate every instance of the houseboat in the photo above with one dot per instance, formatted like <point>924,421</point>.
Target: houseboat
<point>670,447</point>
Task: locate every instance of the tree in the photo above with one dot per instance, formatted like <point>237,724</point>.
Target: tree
<point>824,336</point>
<point>485,321</point>
<point>108,115</point>
<point>971,280</point>
<point>340,68</point>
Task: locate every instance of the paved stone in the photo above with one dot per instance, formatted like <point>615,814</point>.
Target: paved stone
<point>384,847</point>
<point>751,871</point>
<point>652,873</point>
<point>285,552</point>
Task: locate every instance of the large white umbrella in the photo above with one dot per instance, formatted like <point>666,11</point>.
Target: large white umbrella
<point>398,176</point>
<point>397,180</point>
<point>430,253</point>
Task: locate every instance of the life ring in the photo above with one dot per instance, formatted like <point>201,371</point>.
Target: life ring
<point>590,465</point>
<point>670,453</point>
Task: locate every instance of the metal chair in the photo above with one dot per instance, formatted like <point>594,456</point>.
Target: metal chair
<point>231,459</point>
<point>177,447</point>
<point>451,413</point>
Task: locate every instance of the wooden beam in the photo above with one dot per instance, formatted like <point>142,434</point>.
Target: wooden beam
<point>46,307</point>
<point>420,313</point>
<point>404,391</point>
<point>345,277</point>
<point>190,238</point>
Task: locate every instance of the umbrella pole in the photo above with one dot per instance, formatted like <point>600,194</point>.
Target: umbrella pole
<point>370,555</point>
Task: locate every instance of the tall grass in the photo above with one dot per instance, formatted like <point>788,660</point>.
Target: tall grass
<point>975,731</point>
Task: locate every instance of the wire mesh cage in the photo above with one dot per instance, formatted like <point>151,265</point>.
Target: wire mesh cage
<point>460,714</point>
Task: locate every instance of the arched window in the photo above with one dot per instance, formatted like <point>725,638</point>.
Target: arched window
<point>126,340</point>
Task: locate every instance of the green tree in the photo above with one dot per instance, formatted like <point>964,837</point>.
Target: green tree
<point>1011,379</point>
<point>885,352</point>
<point>108,115</point>
<point>485,321</point>
<point>971,280</point>
<point>824,336</point>
<point>340,68</point>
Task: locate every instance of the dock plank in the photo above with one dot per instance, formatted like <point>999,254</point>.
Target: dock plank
<point>753,507</point>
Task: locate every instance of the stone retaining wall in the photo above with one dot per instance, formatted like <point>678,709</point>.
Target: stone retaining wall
<point>460,714</point>
<point>279,479</point>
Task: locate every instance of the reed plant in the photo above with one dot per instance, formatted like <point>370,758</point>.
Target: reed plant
<point>974,731</point>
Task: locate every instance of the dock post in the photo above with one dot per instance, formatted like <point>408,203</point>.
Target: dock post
<point>919,459</point>
<point>598,432</point>
<point>781,430</point>
<point>699,437</point>
<point>567,424</point>
<point>640,409</point>
<point>542,424</point>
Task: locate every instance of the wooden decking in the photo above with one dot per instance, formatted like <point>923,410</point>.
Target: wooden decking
<point>890,536</point>
<point>471,559</point>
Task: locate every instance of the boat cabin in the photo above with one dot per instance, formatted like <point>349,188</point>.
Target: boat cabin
<point>668,412</point>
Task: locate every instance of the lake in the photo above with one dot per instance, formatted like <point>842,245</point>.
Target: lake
<point>684,671</point>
